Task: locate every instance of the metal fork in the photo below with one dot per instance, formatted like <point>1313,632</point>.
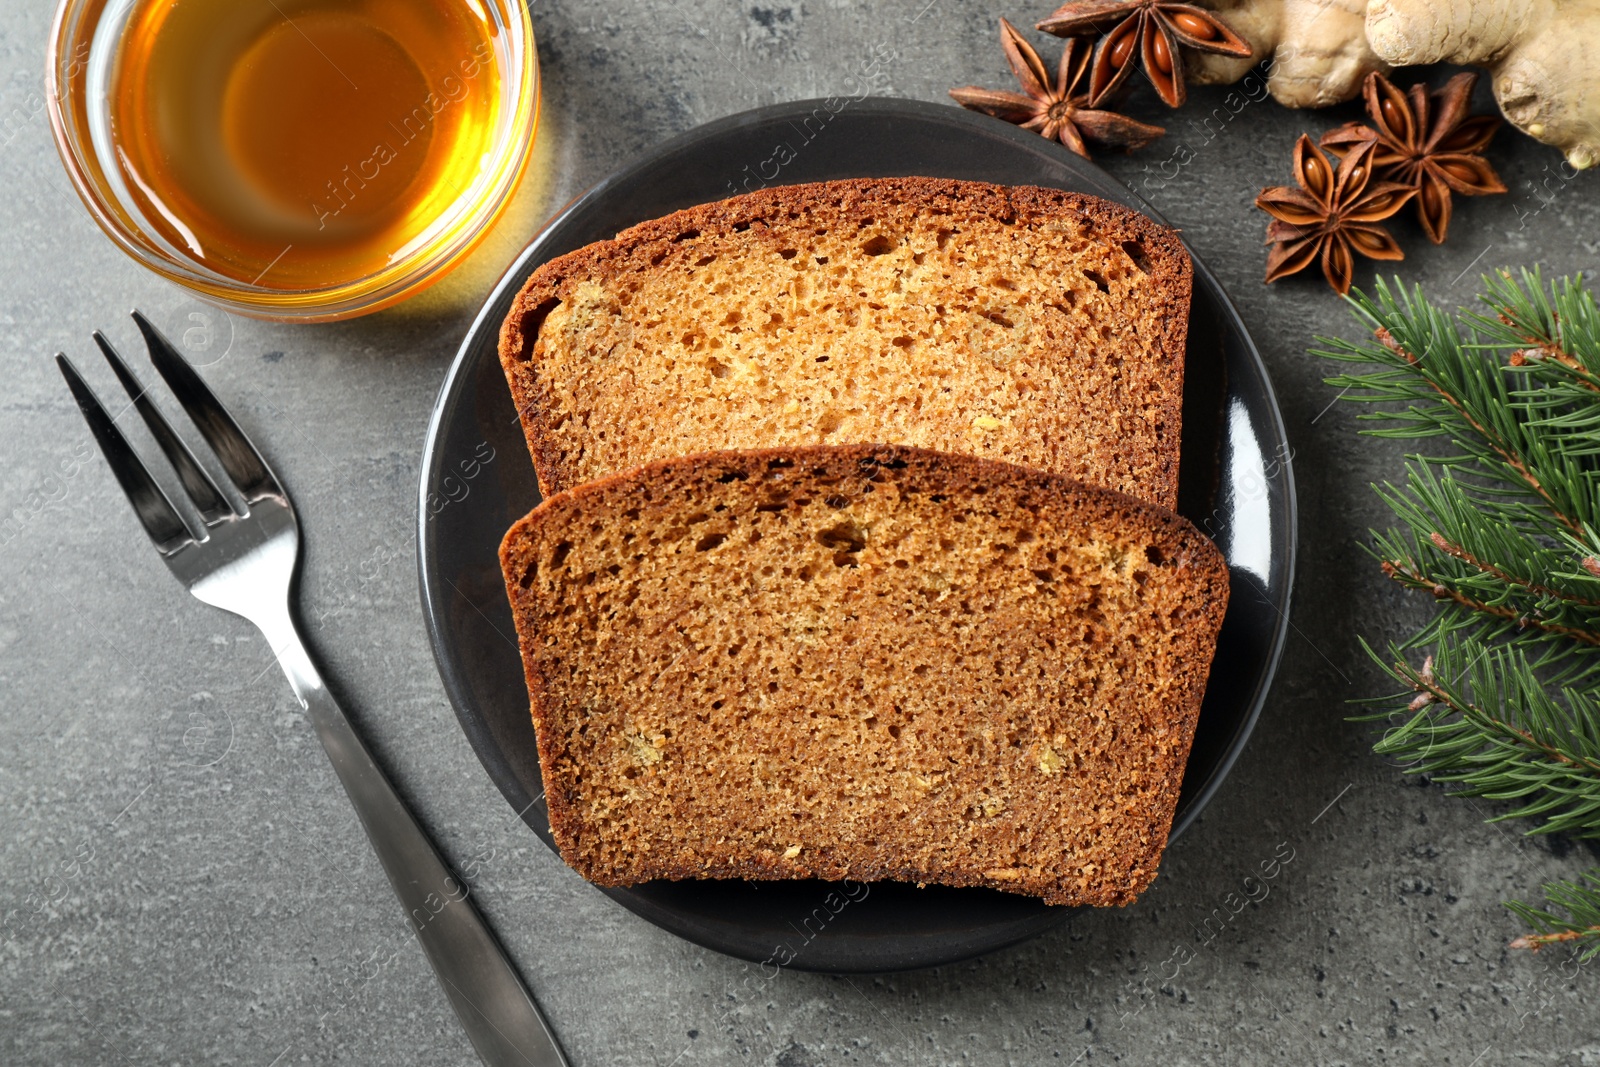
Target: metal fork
<point>244,562</point>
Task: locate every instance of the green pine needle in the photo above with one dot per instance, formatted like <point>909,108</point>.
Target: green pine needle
<point>1580,926</point>
<point>1501,688</point>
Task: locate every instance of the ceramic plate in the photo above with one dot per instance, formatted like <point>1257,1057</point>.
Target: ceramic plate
<point>477,479</point>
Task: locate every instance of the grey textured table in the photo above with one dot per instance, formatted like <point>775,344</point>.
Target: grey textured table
<point>182,880</point>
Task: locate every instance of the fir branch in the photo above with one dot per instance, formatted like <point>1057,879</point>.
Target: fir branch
<point>1490,435</point>
<point>1522,357</point>
<point>1581,923</point>
<point>1424,359</point>
<point>1562,326</point>
<point>1505,547</point>
<point>1480,719</point>
<point>1407,573</point>
<point>1561,333</point>
<point>1444,545</point>
<point>1502,532</point>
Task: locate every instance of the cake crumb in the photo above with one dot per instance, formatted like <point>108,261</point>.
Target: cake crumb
<point>838,697</point>
<point>646,750</point>
<point>1050,761</point>
<point>844,310</point>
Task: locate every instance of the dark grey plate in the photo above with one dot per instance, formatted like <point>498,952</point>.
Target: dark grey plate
<point>477,479</point>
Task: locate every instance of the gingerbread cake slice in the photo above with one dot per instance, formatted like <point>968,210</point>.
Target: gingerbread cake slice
<point>1032,325</point>
<point>863,662</point>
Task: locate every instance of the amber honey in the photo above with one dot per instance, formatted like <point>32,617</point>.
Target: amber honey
<point>300,144</point>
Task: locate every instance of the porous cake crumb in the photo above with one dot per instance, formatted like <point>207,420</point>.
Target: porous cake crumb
<point>863,662</point>
<point>1032,325</point>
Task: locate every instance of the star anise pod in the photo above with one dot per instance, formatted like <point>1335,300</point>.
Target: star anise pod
<point>1427,141</point>
<point>1055,108</point>
<point>1151,28</point>
<point>1333,214</point>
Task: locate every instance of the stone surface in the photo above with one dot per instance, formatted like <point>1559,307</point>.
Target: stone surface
<point>182,880</point>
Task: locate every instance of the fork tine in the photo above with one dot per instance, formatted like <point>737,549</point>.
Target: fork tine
<point>161,520</point>
<point>196,482</point>
<point>239,457</point>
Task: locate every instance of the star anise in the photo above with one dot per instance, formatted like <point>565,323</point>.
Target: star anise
<point>1055,108</point>
<point>1334,214</point>
<point>1427,141</point>
<point>1152,28</point>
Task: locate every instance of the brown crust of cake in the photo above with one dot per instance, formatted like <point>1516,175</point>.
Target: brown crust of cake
<point>1151,451</point>
<point>1187,575</point>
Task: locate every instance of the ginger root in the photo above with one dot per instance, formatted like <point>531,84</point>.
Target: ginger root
<point>1315,50</point>
<point>1539,55</point>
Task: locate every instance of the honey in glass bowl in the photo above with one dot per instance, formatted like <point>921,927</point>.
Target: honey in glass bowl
<point>294,143</point>
<point>278,152</point>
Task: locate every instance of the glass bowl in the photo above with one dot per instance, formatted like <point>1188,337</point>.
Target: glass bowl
<point>84,45</point>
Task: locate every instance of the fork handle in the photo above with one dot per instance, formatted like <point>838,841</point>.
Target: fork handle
<point>499,1015</point>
